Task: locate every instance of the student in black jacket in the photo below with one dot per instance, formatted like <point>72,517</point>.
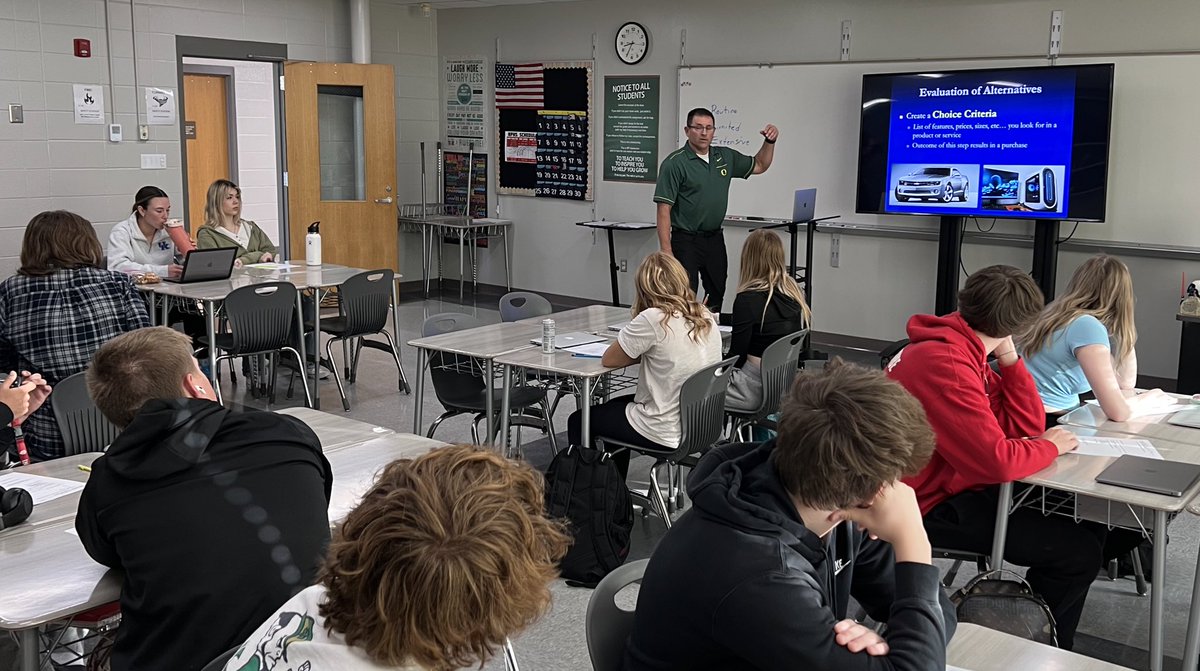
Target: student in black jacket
<point>769,305</point>
<point>759,573</point>
<point>215,517</point>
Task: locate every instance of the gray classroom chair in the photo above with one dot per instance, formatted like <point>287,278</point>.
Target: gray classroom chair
<point>780,361</point>
<point>607,624</point>
<point>517,305</point>
<point>83,427</point>
<point>702,419</point>
<point>364,303</point>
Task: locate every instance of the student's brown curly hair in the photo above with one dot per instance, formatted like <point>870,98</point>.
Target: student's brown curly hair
<point>447,555</point>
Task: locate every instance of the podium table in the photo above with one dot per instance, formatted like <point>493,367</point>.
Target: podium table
<point>609,227</point>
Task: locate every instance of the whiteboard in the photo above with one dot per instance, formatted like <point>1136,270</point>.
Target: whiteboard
<point>816,107</point>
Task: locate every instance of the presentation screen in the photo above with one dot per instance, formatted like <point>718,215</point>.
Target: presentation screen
<point>1025,143</point>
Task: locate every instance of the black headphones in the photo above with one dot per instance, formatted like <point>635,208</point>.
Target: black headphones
<point>15,506</point>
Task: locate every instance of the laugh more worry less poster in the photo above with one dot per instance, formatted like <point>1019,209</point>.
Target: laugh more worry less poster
<point>631,128</point>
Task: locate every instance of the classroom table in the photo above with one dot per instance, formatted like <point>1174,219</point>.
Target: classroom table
<point>1154,428</point>
<point>1119,506</point>
<point>467,230</point>
<point>484,343</point>
<point>302,276</point>
<point>589,319</point>
<point>981,649</point>
<point>50,576</point>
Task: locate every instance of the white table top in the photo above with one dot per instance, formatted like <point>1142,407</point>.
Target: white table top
<point>336,431</point>
<point>49,575</point>
<point>304,277</point>
<point>454,222</point>
<point>484,342</point>
<point>979,649</point>
<point>1089,415</point>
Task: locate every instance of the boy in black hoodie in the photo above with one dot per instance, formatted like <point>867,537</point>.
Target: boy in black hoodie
<point>758,574</point>
<point>216,517</point>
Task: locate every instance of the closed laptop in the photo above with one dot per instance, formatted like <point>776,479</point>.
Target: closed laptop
<point>1158,476</point>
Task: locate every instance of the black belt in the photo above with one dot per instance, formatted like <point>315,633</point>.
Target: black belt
<point>696,234</point>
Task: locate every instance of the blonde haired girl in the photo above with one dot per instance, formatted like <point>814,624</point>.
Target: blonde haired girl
<point>1084,341</point>
<point>672,336</point>
<point>769,305</point>
<point>224,226</point>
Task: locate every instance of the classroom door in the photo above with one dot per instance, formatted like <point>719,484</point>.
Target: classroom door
<point>341,161</point>
<point>206,108</point>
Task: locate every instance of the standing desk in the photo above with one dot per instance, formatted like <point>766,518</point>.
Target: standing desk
<point>303,277</point>
<point>1118,506</point>
<point>467,230</point>
<point>1183,444</point>
<point>51,576</point>
<point>484,343</point>
<point>982,649</point>
<point>608,227</point>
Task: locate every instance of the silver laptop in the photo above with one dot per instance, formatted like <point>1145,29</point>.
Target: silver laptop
<point>205,265</point>
<point>1189,418</point>
<point>1158,476</point>
<point>804,207</point>
<point>564,340</point>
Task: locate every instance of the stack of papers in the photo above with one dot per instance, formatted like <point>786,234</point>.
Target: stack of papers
<point>593,350</point>
<point>1116,447</point>
<point>40,487</point>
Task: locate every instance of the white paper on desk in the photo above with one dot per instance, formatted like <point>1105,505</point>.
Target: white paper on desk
<point>270,266</point>
<point>40,487</point>
<point>594,350</point>
<point>951,667</point>
<point>1116,447</point>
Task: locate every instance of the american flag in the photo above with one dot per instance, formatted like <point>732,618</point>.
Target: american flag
<point>519,86</point>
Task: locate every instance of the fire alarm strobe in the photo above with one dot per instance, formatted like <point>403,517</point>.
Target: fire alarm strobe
<point>83,48</point>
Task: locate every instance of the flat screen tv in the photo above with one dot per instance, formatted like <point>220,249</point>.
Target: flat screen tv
<point>1024,143</point>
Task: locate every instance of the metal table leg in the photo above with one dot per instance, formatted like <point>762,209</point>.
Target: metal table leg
<point>302,346</point>
<point>27,639</point>
<point>419,383</point>
<point>316,355</point>
<point>166,310</point>
<point>1001,532</point>
<point>425,247</point>
<point>505,404</point>
<point>1156,595</point>
<point>396,332</point>
<point>461,268</point>
<point>489,404</point>
<point>507,271</point>
<point>152,304</point>
<point>210,323</point>
<point>585,408</point>
<point>1191,650</point>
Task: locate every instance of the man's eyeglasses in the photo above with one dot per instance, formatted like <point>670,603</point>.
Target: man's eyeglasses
<point>703,129</point>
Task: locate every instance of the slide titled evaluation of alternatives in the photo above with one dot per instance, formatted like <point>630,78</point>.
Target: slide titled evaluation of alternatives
<point>981,142</point>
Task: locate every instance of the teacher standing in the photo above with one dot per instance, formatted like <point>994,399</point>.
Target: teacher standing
<point>692,195</point>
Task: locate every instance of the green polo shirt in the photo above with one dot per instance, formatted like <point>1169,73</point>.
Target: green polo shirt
<point>698,190</point>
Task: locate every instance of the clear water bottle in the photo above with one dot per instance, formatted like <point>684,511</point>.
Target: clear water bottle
<point>547,336</point>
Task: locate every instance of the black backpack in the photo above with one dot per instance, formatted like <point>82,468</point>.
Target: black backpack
<point>585,487</point>
<point>1010,606</point>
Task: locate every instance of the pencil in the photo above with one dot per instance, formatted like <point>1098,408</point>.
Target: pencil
<point>85,469</point>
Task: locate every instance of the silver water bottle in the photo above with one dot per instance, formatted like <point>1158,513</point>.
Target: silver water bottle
<point>547,336</point>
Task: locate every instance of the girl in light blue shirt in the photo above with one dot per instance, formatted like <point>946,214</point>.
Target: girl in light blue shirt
<point>1084,341</point>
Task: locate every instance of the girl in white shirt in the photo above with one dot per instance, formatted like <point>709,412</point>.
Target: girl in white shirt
<point>671,336</point>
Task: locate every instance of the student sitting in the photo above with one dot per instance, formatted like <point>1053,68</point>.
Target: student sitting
<point>1084,341</point>
<point>58,309</point>
<point>758,574</point>
<point>769,305</point>
<point>447,555</point>
<point>147,241</point>
<point>672,336</point>
<point>989,428</point>
<point>215,517</point>
<point>224,226</point>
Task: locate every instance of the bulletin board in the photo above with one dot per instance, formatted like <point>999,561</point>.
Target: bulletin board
<point>454,183</point>
<point>544,129</point>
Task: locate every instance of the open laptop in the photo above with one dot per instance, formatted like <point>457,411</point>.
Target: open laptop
<point>1158,476</point>
<point>564,340</point>
<point>804,206</point>
<point>205,265</point>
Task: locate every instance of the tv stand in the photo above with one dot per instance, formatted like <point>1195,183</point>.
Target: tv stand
<point>1045,261</point>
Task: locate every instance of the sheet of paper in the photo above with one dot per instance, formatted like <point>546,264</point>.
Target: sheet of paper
<point>270,266</point>
<point>593,349</point>
<point>1115,447</point>
<point>40,487</point>
<point>951,667</point>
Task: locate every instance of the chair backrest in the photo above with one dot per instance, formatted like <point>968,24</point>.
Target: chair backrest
<point>888,353</point>
<point>702,408</point>
<point>516,305</point>
<point>221,660</point>
<point>84,428</point>
<point>608,625</point>
<point>780,361</point>
<point>261,316</point>
<point>365,299</point>
<point>455,377</point>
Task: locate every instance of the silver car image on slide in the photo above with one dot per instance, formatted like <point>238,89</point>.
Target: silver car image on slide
<point>933,183</point>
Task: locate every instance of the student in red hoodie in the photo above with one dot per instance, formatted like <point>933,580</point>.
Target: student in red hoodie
<point>989,428</point>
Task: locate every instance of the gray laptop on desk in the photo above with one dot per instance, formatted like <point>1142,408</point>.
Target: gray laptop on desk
<point>804,207</point>
<point>1158,476</point>
<point>205,265</point>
